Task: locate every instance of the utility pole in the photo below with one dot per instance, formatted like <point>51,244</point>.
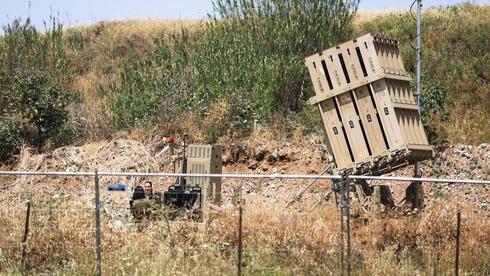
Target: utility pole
<point>418,52</point>
<point>418,37</point>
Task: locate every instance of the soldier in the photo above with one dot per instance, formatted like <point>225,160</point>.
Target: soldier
<point>148,189</point>
<point>156,197</point>
<point>139,205</point>
<point>145,204</point>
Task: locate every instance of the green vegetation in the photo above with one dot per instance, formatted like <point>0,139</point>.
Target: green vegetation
<point>34,72</point>
<point>249,54</point>
<point>219,78</point>
<point>434,109</point>
<point>11,134</point>
<point>456,75</point>
<point>36,102</point>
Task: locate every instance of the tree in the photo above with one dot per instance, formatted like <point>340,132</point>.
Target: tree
<point>28,96</point>
<point>41,104</point>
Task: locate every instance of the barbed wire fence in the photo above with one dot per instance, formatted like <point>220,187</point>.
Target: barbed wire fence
<point>34,209</point>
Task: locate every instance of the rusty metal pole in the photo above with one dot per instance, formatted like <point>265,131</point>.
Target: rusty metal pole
<point>458,242</point>
<point>26,233</point>
<point>240,240</point>
<point>97,225</point>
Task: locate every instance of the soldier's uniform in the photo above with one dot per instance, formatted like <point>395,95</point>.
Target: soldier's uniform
<point>146,208</point>
<point>141,209</point>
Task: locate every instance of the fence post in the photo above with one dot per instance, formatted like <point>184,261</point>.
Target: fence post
<point>24,239</point>
<point>240,240</point>
<point>345,208</point>
<point>347,195</point>
<point>97,225</point>
<point>342,203</point>
<point>458,242</point>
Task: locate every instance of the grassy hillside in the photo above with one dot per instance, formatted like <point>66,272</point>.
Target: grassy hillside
<point>455,62</point>
<point>223,77</point>
<point>100,53</point>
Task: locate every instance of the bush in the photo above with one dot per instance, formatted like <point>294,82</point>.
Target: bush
<point>43,105</point>
<point>24,48</point>
<point>34,76</point>
<point>250,54</point>
<point>433,108</point>
<point>11,135</point>
<point>29,96</point>
<point>311,120</point>
<point>155,86</point>
<point>256,49</point>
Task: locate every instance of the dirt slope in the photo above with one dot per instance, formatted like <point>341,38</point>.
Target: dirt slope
<point>273,157</point>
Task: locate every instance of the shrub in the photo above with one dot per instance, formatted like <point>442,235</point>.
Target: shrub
<point>24,48</point>
<point>311,120</point>
<point>29,96</point>
<point>11,135</point>
<point>433,108</point>
<point>249,54</point>
<point>155,86</point>
<point>28,93</point>
<point>43,105</point>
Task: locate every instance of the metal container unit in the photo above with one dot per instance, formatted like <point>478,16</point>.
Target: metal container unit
<point>204,159</point>
<point>369,113</point>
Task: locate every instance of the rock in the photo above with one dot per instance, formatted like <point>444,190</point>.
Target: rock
<point>282,156</point>
<point>259,156</point>
<point>272,157</point>
<point>253,166</point>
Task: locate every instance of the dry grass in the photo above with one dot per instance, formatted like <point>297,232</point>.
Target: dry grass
<point>275,242</point>
<point>99,52</point>
<point>148,28</point>
<point>452,58</point>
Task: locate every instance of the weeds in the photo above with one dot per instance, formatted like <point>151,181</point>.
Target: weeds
<point>275,242</point>
<point>455,84</point>
<point>248,54</point>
